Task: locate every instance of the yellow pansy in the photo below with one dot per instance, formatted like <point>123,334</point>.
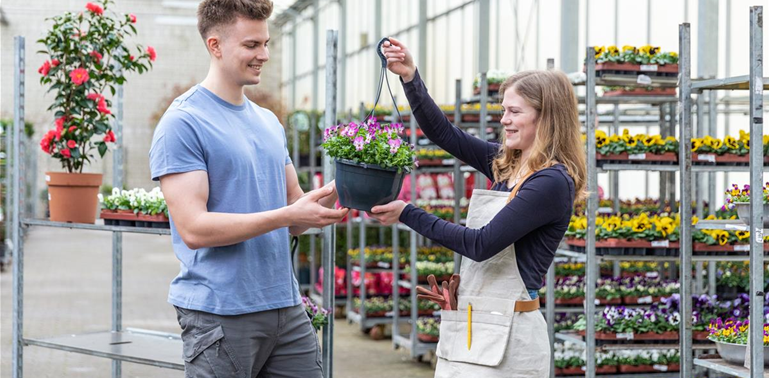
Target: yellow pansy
<point>612,50</point>
<point>731,143</point>
<point>696,144</point>
<point>674,54</point>
<point>625,132</point>
<point>599,50</point>
<point>671,139</point>
<point>716,143</point>
<point>742,235</point>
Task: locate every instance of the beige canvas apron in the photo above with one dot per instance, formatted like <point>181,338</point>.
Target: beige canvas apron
<point>504,343</point>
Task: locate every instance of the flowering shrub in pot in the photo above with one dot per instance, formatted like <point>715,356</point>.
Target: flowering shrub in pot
<point>371,162</point>
<point>87,56</point>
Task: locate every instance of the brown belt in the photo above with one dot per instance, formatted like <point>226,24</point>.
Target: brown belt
<point>527,306</point>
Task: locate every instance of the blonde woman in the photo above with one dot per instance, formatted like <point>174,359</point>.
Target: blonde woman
<point>513,230</point>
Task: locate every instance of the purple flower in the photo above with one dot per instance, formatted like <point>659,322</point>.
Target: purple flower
<point>359,142</point>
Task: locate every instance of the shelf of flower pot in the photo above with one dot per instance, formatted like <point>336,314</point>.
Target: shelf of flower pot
<point>729,83</point>
<point>407,284</point>
<point>722,224</point>
<point>132,345</point>
<point>714,362</point>
<point>419,348</point>
<point>355,317</point>
<point>672,168</point>
<point>99,226</point>
<point>632,99</point>
<point>356,268</point>
<point>608,347</point>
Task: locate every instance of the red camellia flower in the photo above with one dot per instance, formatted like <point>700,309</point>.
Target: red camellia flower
<point>72,129</point>
<point>132,17</point>
<point>131,58</point>
<point>151,52</point>
<point>65,152</point>
<point>94,8</point>
<point>60,122</point>
<point>109,137</point>
<point>55,62</point>
<point>96,56</point>
<point>45,68</point>
<point>101,104</point>
<point>71,144</point>
<point>46,144</point>
<point>79,76</point>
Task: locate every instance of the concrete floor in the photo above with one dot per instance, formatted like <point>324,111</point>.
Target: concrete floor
<point>68,290</point>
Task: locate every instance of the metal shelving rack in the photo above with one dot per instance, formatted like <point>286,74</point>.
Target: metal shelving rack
<point>121,344</point>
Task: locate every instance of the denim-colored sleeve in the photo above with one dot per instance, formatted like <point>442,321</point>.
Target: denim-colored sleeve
<point>176,146</point>
<point>542,200</point>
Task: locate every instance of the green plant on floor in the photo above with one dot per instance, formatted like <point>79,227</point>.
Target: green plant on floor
<point>429,326</point>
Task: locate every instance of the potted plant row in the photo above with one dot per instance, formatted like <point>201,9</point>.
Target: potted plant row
<point>623,235</point>
<point>633,61</point>
<point>441,270</point>
<point>570,360</point>
<point>494,78</point>
<point>627,148</point>
<point>382,257</point>
<point>629,290</point>
<point>727,151</point>
<point>87,56</point>
<point>731,338</point>
<point>428,329</point>
<point>622,324</point>
<point>135,208</point>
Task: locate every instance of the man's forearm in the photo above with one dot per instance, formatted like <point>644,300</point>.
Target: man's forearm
<point>219,229</point>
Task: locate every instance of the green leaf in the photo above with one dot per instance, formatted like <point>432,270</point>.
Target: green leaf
<point>102,148</point>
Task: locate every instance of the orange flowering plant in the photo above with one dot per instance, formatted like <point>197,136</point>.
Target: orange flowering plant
<point>87,55</point>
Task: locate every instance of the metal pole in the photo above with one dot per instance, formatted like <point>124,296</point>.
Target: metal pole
<point>396,285</point>
<point>550,314</point>
<point>8,211</point>
<point>314,121</point>
<point>377,35</point>
<point>712,131</point>
<point>362,255</point>
<point>727,72</point>
<point>117,237</point>
<point>17,349</point>
<point>342,57</point>
<point>480,179</point>
<point>712,278</point>
<point>685,159</point>
<point>413,242</point>
<point>295,130</point>
<point>756,194</point>
<point>699,178</point>
<point>329,232</point>
<point>614,176</point>
<point>459,177</point>
<point>590,213</point>
<point>569,35</point>
<point>484,9</point>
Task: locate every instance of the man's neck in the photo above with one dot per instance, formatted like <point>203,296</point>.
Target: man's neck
<point>225,89</point>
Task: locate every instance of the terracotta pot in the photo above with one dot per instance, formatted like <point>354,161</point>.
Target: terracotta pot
<point>666,157</point>
<point>636,336</point>
<point>558,371</point>
<point>472,117</point>
<point>648,299</point>
<point>605,369</point>
<point>427,338</point>
<point>570,301</point>
<point>700,335</point>
<point>702,247</point>
<point>73,197</point>
<point>633,68</point>
<point>636,369</point>
<point>572,370</point>
<point>674,367</point>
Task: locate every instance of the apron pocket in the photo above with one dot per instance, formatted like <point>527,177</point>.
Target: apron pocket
<point>489,338</point>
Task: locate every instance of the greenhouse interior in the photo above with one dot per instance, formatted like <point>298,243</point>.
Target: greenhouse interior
<point>383,188</point>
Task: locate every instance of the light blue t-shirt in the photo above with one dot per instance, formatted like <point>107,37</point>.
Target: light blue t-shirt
<point>243,148</point>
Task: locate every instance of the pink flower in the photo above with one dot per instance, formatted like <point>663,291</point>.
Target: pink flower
<point>60,123</point>
<point>94,96</point>
<point>132,17</point>
<point>72,129</point>
<point>71,144</point>
<point>152,53</point>
<point>79,76</point>
<point>109,137</point>
<point>102,107</point>
<point>358,142</point>
<point>395,144</point>
<point>45,68</point>
<point>55,62</point>
<point>46,143</point>
<point>131,58</point>
<point>95,9</point>
<point>65,152</point>
<point>96,56</point>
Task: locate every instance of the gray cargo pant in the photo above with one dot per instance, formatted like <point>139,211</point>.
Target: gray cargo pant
<point>276,343</point>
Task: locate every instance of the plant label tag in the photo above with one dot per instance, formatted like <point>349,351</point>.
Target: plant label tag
<point>447,161</point>
<point>389,313</point>
<point>383,264</point>
<point>759,235</point>
<point>644,80</point>
<point>652,274</point>
<point>660,367</point>
<point>646,299</point>
<point>597,302</point>
<point>742,248</point>
<point>584,368</point>
<point>637,156</point>
<point>649,67</point>
<point>626,336</point>
<point>661,244</point>
<point>47,178</point>
<point>707,157</point>
<point>49,197</point>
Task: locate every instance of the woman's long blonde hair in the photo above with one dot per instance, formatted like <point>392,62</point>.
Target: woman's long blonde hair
<point>557,139</point>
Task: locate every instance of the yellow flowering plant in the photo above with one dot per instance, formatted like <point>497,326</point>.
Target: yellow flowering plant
<point>641,227</point>
<point>646,54</point>
<point>633,144</point>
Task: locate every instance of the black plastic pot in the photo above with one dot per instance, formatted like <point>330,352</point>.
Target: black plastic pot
<point>363,186</point>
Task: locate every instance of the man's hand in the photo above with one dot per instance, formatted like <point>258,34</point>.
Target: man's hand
<point>399,60</point>
<point>388,214</point>
<point>330,200</point>
<point>309,210</point>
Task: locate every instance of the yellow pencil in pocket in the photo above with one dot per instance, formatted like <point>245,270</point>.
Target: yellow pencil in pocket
<point>469,325</point>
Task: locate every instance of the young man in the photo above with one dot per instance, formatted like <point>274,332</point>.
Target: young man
<point>234,196</point>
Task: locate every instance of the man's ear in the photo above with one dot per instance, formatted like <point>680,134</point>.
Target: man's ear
<point>213,45</point>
